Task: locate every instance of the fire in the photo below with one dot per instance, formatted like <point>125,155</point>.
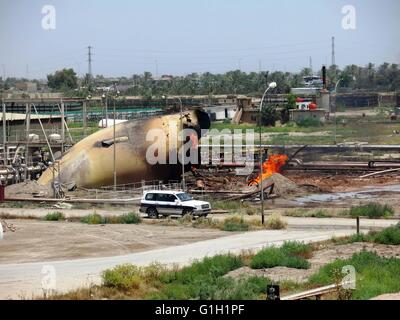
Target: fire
<point>271,166</point>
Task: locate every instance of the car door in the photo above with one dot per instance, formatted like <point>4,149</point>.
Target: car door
<point>162,203</point>
<point>149,201</point>
<point>168,205</point>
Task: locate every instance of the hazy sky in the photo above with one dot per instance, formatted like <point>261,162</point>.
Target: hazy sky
<point>184,36</point>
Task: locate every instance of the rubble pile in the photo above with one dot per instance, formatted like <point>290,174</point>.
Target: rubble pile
<point>227,186</point>
<point>28,189</point>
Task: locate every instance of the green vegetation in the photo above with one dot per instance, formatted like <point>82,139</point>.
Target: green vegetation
<point>375,275</point>
<point>308,122</point>
<point>275,222</point>
<point>371,210</point>
<point>64,79</point>
<point>54,216</point>
<point>291,255</point>
<point>201,280</point>
<point>129,218</point>
<point>305,213</point>
<point>388,236</point>
<point>93,218</point>
<point>235,223</point>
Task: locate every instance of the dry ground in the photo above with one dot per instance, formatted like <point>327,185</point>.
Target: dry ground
<point>48,241</point>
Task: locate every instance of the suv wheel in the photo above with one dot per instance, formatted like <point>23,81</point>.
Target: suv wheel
<point>152,213</point>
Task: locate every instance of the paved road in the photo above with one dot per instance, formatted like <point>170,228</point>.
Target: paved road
<point>25,280</point>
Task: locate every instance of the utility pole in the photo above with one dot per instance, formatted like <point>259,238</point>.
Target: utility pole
<point>28,128</point>
<point>115,145</point>
<point>311,65</point>
<point>333,52</point>
<point>4,71</point>
<point>89,66</point>
<point>4,132</point>
<point>62,126</point>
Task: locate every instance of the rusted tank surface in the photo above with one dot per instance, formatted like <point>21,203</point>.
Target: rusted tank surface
<point>90,163</point>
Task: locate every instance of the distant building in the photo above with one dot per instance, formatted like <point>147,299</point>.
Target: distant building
<point>30,87</point>
<point>221,113</point>
<point>164,77</point>
<point>299,115</point>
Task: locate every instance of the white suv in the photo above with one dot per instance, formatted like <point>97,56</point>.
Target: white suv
<point>167,203</point>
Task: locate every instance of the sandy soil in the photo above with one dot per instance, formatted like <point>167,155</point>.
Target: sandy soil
<point>320,258</point>
<point>48,241</point>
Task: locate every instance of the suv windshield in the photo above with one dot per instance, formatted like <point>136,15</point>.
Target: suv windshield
<point>184,197</point>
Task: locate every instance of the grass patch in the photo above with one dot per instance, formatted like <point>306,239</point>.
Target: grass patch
<point>235,224</point>
<point>309,123</point>
<point>375,275</point>
<point>389,236</point>
<point>291,255</point>
<point>275,222</point>
<point>93,218</point>
<point>54,216</point>
<point>130,218</point>
<point>231,206</point>
<point>371,210</point>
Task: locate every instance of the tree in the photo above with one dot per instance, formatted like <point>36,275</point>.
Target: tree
<point>63,80</point>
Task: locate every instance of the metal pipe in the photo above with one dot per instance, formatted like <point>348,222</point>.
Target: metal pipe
<point>44,132</point>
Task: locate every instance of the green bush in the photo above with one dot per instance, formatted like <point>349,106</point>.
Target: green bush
<point>375,275</point>
<point>371,210</point>
<point>130,218</point>
<point>54,216</point>
<point>242,289</point>
<point>291,255</point>
<point>201,280</point>
<point>234,224</point>
<point>298,249</point>
<point>389,236</point>
<point>123,277</point>
<point>93,219</point>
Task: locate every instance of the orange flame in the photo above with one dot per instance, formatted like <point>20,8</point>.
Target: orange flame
<point>271,166</point>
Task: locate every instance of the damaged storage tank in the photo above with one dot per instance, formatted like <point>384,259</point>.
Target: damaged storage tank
<point>90,163</point>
